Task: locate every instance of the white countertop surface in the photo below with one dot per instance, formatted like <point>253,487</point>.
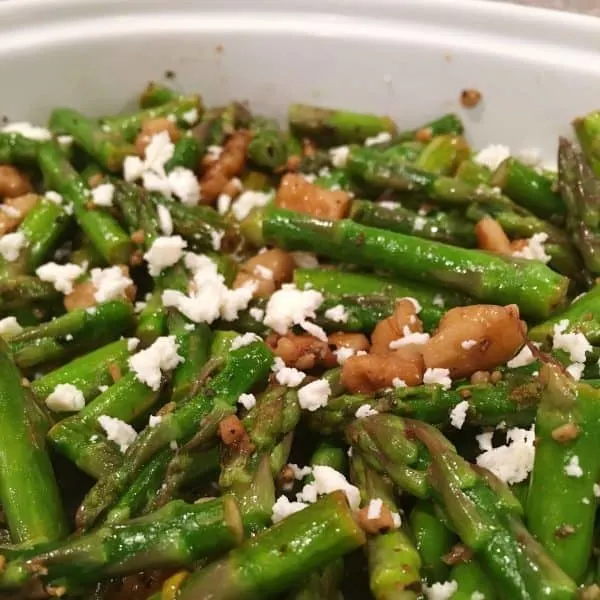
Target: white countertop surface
<point>590,7</point>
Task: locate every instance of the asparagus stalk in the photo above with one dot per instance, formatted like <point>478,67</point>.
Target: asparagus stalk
<point>186,154</point>
<point>587,130</point>
<point>472,580</point>
<point>22,290</point>
<point>28,490</point>
<point>302,543</point>
<point>268,147</point>
<point>17,149</point>
<point>487,277</point>
<point>156,94</point>
<point>445,124</point>
<point>443,154</point>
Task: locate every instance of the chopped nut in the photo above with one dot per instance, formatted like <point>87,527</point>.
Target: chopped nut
<point>480,377</point>
<point>233,434</point>
<point>381,524</point>
<point>564,531</point>
<point>491,237</point>
<point>114,370</point>
<point>565,433</point>
<point>424,134</point>
<point>470,98</point>
<point>459,553</point>
<point>302,351</point>
<point>392,328</point>
<point>138,237</point>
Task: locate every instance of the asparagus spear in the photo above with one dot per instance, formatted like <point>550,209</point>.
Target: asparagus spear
<point>268,147</point>
<point>186,154</point>
<point>449,123</point>
<point>17,149</point>
<point>301,543</point>
<point>587,130</point>
<point>28,489</point>
<point>443,154</point>
<point>331,127</point>
<point>473,173</point>
<point>108,148</point>
<point>156,94</point>
<point>487,277</point>
<point>177,534</point>
<point>99,226</point>
<point>561,505</point>
<point>472,580</point>
<point>22,290</point>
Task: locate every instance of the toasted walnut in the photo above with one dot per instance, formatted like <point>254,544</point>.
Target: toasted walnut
<point>475,338</point>
<point>233,434</point>
<point>490,236</point>
<point>298,194</point>
<point>392,328</point>
<point>151,127</point>
<point>565,433</point>
<point>371,372</point>
<point>381,524</point>
<point>14,210</point>
<point>356,341</point>
<point>470,98</point>
<point>302,351</point>
<point>13,183</point>
<point>268,270</point>
<point>230,163</point>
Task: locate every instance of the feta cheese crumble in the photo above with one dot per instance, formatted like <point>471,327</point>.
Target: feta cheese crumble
<point>468,344</point>
<point>154,420</point>
<point>248,201</point>
<point>244,340</point>
<point>102,195</point>
<point>572,468</point>
<point>327,480</point>
<point>257,313</point>
<point>118,431</point>
<point>491,156</point>
<point>149,364</point>
<point>365,411</point>
<point>28,130</point>
<point>575,344</point>
<point>284,508</point>
<point>65,398</point>
<point>409,337</point>
<point>248,401</point>
<point>314,395</point>
<point>374,508</point>
<point>132,344</point>
<point>110,283</point>
<point>458,414</point>
<point>534,250</point>
<point>337,313</point>
<point>164,252</point>
<point>305,260</point>
<point>398,383</point>
<point>11,244</point>
<point>9,327</point>
<point>438,300</point>
<point>60,276</point>
<point>190,116</point>
<point>339,156</point>
<point>438,377</point>
<point>382,137</point>
<point>522,359</point>
<point>440,591</point>
<point>183,184</point>
<point>165,221</point>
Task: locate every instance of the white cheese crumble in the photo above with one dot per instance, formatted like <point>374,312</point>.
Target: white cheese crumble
<point>102,195</point>
<point>190,116</point>
<point>573,468</point>
<point>398,383</point>
<point>210,297</point>
<point>596,490</point>
<point>284,508</point>
<point>223,203</point>
<point>65,398</point>
<point>419,223</point>
<point>511,462</point>
<point>327,480</point>
<point>11,244</point>
<point>314,330</point>
<point>214,151</point>
<point>165,221</point>
<point>288,376</point>
<point>132,343</point>
<point>458,414</point>
<point>491,156</point>
<point>290,306</point>
<point>575,370</point>
<point>244,340</point>
<point>263,272</point>
<point>248,401</point>
<point>60,276</point>
<point>305,260</point>
<point>534,250</point>
<point>154,420</point>
<point>183,184</point>
<point>314,395</point>
<point>374,508</point>
<point>382,137</point>
<point>102,388</point>
<point>575,344</point>
<point>164,252</point>
<point>118,431</point>
<point>10,211</point>
<point>257,313</point>
<point>438,300</point>
<point>300,472</point>
<point>522,359</point>
<point>9,327</point>
<point>409,337</point>
<point>439,377</point>
<point>110,283</point>
<point>440,591</point>
<point>28,130</point>
<point>365,411</point>
<point>337,313</point>
<point>414,302</point>
<point>248,201</point>
<point>149,364</point>
<point>339,156</point>
<point>343,354</point>
<point>468,344</point>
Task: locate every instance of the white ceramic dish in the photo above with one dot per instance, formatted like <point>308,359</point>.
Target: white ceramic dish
<point>408,58</point>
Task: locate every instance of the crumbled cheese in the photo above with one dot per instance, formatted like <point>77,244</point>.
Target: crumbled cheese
<point>287,376</point>
<point>522,359</point>
<point>409,337</point>
<point>214,152</point>
<point>53,196</point>
<point>511,462</point>
<point>414,302</point>
<point>244,340</point>
<point>210,297</point>
<point>491,156</point>
<point>374,508</point>
<point>530,156</point>
<point>149,364</point>
<point>381,138</point>
<point>164,252</point>
<point>458,414</point>
<point>398,383</point>
<point>419,223</point>
<point>343,354</point>
<point>248,401</point>
<point>132,343</point>
<point>439,377</point>
<point>110,283</point>
<point>575,344</point>
<point>65,140</point>
<point>11,244</point>
<point>28,130</point>
<point>10,211</point>
<point>300,472</point>
<point>154,420</point>
<point>263,272</point>
<point>158,152</point>
<point>327,480</point>
<point>290,306</point>
<point>440,591</point>
<point>337,313</point>
<point>284,508</point>
<point>184,185</point>
<point>586,501</point>
<point>173,445</point>
<point>596,490</point>
<point>257,314</point>
<point>118,431</point>
<point>314,395</point>
<point>223,203</point>
<point>534,250</point>
<point>314,330</point>
<point>165,221</point>
<point>9,327</point>
<point>468,344</point>
<point>60,276</point>
<point>69,337</point>
<point>339,156</point>
<point>575,370</point>
<point>248,201</point>
<point>365,411</point>
<point>305,260</point>
<point>572,468</point>
<point>190,116</point>
<point>189,326</point>
<point>65,398</point>
<point>102,195</point>
<point>102,388</point>
<point>438,300</point>
<point>139,306</point>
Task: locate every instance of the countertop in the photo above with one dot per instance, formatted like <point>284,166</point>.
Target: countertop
<point>589,7</point>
